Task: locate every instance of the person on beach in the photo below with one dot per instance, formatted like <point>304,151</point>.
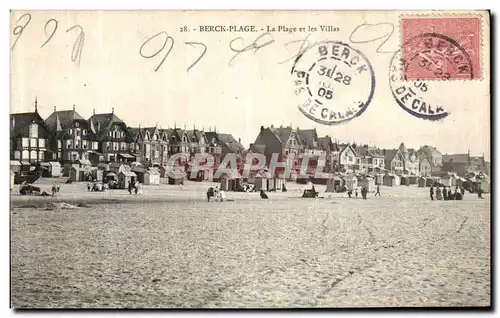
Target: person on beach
<point>356,193</point>
<point>136,187</point>
<point>445,194</point>
<point>431,192</point>
<point>88,186</point>
<point>439,196</point>
<point>378,190</point>
<point>462,191</point>
<point>54,190</point>
<point>458,195</point>
<point>364,192</point>
<point>349,193</point>
<point>263,195</point>
<point>210,193</point>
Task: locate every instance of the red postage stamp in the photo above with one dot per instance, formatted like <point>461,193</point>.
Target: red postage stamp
<point>445,48</point>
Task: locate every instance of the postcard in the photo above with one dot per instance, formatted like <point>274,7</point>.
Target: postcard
<point>250,159</point>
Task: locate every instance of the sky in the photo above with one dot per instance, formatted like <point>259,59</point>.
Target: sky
<point>234,96</point>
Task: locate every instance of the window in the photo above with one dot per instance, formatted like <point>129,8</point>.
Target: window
<point>33,142</point>
<point>84,144</point>
<point>95,145</point>
<point>77,144</point>
<point>25,155</point>
<point>123,134</point>
<point>33,155</point>
<point>75,157</point>
<point>41,156</point>
<point>69,144</point>
<point>70,131</point>
<point>184,139</point>
<point>25,142</point>
<point>41,143</point>
<point>78,132</point>
<point>17,155</point>
<point>124,146</point>
<point>33,131</point>
<point>59,144</point>
<point>85,132</point>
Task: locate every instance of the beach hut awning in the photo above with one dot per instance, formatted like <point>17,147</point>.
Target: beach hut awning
<point>96,152</point>
<point>15,163</point>
<point>45,164</point>
<point>127,156</point>
<point>55,164</point>
<point>25,163</point>
<point>84,162</point>
<point>111,174</point>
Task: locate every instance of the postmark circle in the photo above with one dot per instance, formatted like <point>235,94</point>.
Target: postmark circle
<point>335,82</point>
<point>418,70</point>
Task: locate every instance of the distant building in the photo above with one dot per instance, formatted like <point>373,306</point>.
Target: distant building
<point>113,137</point>
<point>463,164</point>
<point>73,140</point>
<point>394,161</point>
<point>433,155</point>
<point>283,141</point>
<point>150,145</point>
<point>371,159</point>
<point>411,163</point>
<point>425,167</point>
<point>348,159</point>
<point>30,137</point>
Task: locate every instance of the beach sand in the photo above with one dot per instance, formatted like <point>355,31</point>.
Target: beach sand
<point>171,248</point>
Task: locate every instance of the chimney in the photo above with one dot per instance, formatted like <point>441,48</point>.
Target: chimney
<point>54,108</point>
<point>239,140</point>
<point>73,107</point>
<point>112,110</point>
<point>94,111</point>
<point>36,104</point>
<point>261,128</point>
<point>13,121</point>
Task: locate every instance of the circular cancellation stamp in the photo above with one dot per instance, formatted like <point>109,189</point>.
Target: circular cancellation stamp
<point>417,67</point>
<point>335,82</point>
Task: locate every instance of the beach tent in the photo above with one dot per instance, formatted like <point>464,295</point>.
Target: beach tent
<point>140,171</point>
<point>391,180</point>
<point>152,176</point>
<point>15,166</point>
<point>429,181</point>
<point>84,163</point>
<point>351,182</point>
<point>124,177</point>
<point>367,182</point>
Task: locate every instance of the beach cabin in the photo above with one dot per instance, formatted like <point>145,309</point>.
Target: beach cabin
<point>276,183</point>
<point>51,169</point>
<point>391,180</point>
<point>335,184</point>
<point>124,177</point>
<point>140,171</point>
<point>351,182</point>
<point>429,181</point>
<point>404,180</point>
<point>152,176</point>
<point>230,181</point>
<point>261,181</point>
<point>97,174</point>
<point>367,182</point>
<point>175,177</point>
<point>421,182</point>
<point>15,166</point>
<point>74,173</point>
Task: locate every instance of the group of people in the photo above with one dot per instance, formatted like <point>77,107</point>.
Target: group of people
<point>446,193</point>
<point>364,192</point>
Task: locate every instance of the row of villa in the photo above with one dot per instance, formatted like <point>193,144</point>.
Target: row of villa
<point>69,139</point>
